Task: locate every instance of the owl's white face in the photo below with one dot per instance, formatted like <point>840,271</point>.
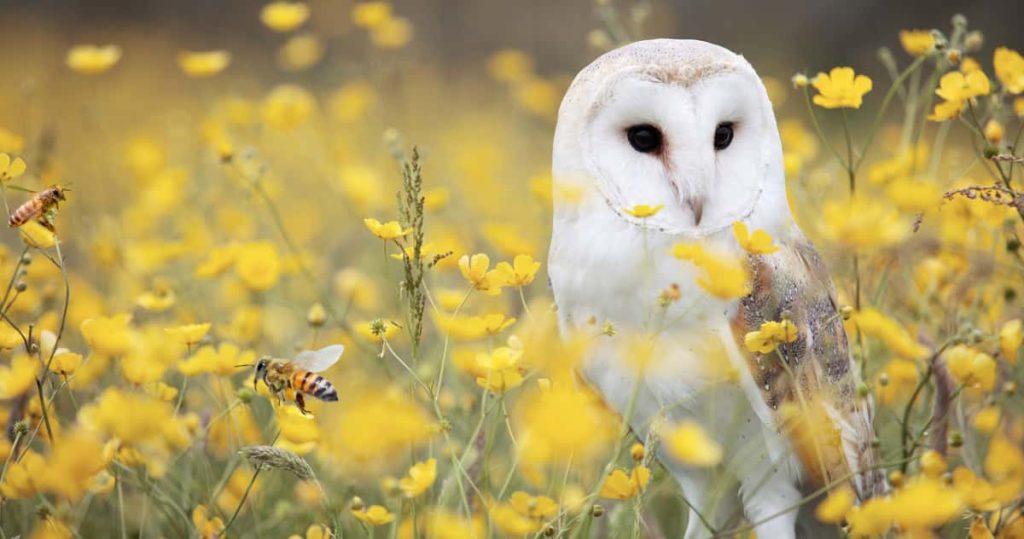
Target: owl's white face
<point>699,139</point>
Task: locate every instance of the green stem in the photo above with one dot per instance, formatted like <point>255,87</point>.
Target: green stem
<point>241,502</point>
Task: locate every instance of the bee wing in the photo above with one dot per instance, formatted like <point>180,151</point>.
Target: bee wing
<point>318,360</point>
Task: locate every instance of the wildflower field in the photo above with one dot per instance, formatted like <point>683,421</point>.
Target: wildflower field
<point>220,207</point>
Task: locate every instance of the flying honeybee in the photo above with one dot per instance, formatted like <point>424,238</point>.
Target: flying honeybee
<point>290,380</point>
<point>41,207</point>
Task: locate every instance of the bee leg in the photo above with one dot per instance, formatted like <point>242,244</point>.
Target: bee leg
<point>300,401</point>
<point>47,224</point>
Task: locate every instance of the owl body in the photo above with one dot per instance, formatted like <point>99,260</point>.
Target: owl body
<point>687,125</point>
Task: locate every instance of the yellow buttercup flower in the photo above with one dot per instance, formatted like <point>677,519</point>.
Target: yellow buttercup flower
<point>971,368</point>
<point>189,333</point>
<point>258,265</point>
<point>36,235</point>
<point>993,131</point>
<point>284,16</point>
<point>690,444</point>
<point>957,88</point>
<point>93,59</point>
<point>420,478</point>
<point>1009,66</point>
<point>643,211</point>
<point>917,42</point>
<point>620,486</point>
<point>500,369</point>
<point>758,243</point>
<point>208,528</point>
<point>386,231</point>
<point>375,515</point>
<point>840,88</point>
<point>301,52</point>
<point>203,64</point>
<point>11,168</point>
<point>770,335</point>
<point>520,273</point>
<point>475,270</point>
<point>986,421</point>
<point>221,360</point>
<point>834,508</point>
<point>862,223</point>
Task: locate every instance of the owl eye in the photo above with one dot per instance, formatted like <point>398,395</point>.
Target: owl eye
<point>644,138</point>
<point>723,135</point>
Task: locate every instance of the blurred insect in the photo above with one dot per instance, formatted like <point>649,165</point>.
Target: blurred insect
<point>42,207</point>
<point>290,380</point>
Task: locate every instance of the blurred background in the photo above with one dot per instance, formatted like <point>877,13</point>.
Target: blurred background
<point>778,36</point>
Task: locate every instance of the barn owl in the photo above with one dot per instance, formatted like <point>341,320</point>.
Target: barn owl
<point>687,125</point>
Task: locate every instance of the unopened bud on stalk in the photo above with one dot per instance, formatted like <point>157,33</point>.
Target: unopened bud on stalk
<point>956,439</point>
<point>799,81</point>
<point>597,511</point>
<point>953,56</point>
<point>883,379</point>
<point>637,452</point>
<point>896,478</point>
<point>316,316</point>
<point>245,394</point>
<point>356,504</point>
<point>959,20</point>
<point>26,259</point>
<point>863,390</point>
<point>974,41</point>
<point>1010,388</point>
<point>21,286</point>
<point>846,311</point>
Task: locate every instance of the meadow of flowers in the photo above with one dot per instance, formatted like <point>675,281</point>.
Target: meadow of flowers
<point>214,219</point>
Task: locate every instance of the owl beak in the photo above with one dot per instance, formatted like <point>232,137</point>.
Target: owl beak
<point>696,205</point>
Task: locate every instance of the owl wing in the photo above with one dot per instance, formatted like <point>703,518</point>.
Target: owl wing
<point>808,386</point>
<point>318,360</point>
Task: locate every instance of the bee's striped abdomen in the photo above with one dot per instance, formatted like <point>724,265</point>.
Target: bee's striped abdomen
<point>24,213</point>
<point>314,385</point>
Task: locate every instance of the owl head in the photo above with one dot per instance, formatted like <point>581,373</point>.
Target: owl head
<point>680,123</point>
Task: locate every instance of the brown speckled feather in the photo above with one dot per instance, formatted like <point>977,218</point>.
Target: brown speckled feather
<point>809,384</point>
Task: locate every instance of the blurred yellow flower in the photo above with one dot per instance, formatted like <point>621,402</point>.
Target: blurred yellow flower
<point>520,273</point>
<point>258,265</point>
<point>220,360</point>
<point>876,324</point>
<point>203,64</point>
<point>834,508</point>
<point>22,478</point>
<point>284,16</point>
<point>914,195</point>
<point>386,231</point>
<point>770,335</point>
<point>1004,467</point>
<point>151,421</point>
<point>620,486</point>
<point>11,168</point>
<point>863,223</point>
<point>1009,66</point>
<point>976,492</point>
<point>500,369</point>
<point>93,59</point>
<point>1011,337</point>
<point>351,102</point>
<point>287,106</point>
<point>986,421</point>
<point>970,367</point>
<point>538,96</point>
<point>993,131</point>
<point>723,276</point>
<point>690,444</point>
<point>562,422</point>
<point>188,334</point>
<point>19,377</point>
<point>758,243</point>
<point>208,528</point>
<point>917,42</point>
<point>933,464</point>
<point>10,337</point>
<point>924,503</point>
<point>72,466</point>
<point>510,65</point>
<point>394,33</point>
<point>301,52</point>
<point>900,377</point>
<point>420,478</point>
<point>511,522</point>
<point>109,336</point>
<point>643,211</point>
<point>375,515</point>
<point>371,14</point>
<point>840,88</point>
<point>11,142</point>
<point>156,301</point>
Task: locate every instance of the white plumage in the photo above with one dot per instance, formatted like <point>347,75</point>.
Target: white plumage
<point>608,265</point>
